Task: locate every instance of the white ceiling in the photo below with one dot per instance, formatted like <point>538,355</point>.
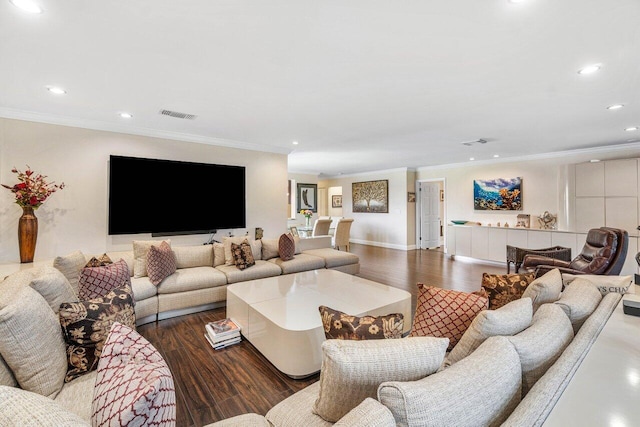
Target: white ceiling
<point>361,84</point>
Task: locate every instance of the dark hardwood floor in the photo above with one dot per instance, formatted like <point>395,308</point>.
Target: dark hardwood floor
<point>212,385</point>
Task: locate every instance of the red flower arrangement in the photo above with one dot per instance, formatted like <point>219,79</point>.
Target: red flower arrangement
<point>33,189</point>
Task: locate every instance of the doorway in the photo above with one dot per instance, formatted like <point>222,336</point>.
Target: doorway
<point>430,214</point>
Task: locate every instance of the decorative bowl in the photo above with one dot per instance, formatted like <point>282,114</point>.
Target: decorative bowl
<point>459,221</point>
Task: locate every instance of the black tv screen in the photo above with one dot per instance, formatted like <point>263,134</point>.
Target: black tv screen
<point>167,197</point>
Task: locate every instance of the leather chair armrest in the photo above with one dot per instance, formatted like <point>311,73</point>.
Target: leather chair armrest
<point>541,270</point>
<point>532,260</point>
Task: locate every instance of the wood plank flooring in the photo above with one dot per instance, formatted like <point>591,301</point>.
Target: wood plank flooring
<point>213,385</point>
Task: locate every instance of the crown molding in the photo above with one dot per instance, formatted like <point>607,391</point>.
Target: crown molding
<point>9,113</point>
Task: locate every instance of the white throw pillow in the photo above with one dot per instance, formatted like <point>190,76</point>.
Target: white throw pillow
<point>509,319</point>
<point>352,370</point>
<point>604,283</point>
<point>54,287</point>
<point>544,289</point>
<point>70,265</point>
<point>578,301</point>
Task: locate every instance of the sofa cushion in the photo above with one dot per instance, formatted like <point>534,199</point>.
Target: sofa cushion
<point>297,409</point>
<point>193,256</point>
<point>95,282</point>
<point>23,408</point>
<point>70,265</point>
<point>286,247</point>
<point>54,287</point>
<point>504,288</point>
<point>269,248</point>
<point>99,261</point>
<point>134,385</point>
<point>31,341</point>
<point>445,313</point>
<point>605,284</point>
<point>242,255</point>
<point>343,326</point>
<point>541,343</point>
<point>300,262</point>
<point>369,413</point>
<point>142,289</point>
<point>544,289</point>
<point>75,395</point>
<point>161,263</point>
<point>127,256</point>
<point>261,270</point>
<point>140,250</point>
<point>509,319</point>
<point>191,279</point>
<point>334,258</point>
<point>578,301</point>
<point>480,390</point>
<point>6,376</point>
<point>353,370</point>
<point>86,324</point>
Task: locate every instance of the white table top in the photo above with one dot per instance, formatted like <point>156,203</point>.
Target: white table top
<point>605,390</point>
<point>291,301</point>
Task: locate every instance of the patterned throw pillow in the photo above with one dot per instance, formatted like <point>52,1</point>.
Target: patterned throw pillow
<point>342,326</point>
<point>242,255</point>
<point>504,288</point>
<point>95,282</point>
<point>100,261</point>
<point>445,313</point>
<point>286,247</point>
<point>86,324</point>
<point>161,263</point>
<point>134,386</point>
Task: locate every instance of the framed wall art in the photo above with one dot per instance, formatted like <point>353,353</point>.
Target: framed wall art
<point>497,194</point>
<point>411,197</point>
<point>370,196</point>
<point>336,201</point>
<point>308,197</point>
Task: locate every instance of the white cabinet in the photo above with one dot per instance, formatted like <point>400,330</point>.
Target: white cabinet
<point>517,238</point>
<point>463,240</point>
<point>589,213</point>
<point>480,242</point>
<point>497,244</point>
<point>621,178</point>
<point>622,212</point>
<point>451,239</point>
<point>590,179</point>
<point>566,240</point>
<point>538,239</point>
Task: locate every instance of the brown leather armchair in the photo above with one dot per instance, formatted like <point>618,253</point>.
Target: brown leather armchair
<point>604,252</point>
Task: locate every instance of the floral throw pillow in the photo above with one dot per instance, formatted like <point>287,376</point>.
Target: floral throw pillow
<point>342,326</point>
<point>134,386</point>
<point>100,261</point>
<point>445,313</point>
<point>98,281</point>
<point>242,255</point>
<point>161,263</point>
<point>86,324</point>
<point>501,289</point>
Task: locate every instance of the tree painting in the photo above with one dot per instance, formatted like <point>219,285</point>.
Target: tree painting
<point>371,196</point>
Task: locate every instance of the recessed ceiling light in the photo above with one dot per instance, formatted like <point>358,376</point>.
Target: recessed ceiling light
<point>517,1</point>
<point>472,158</point>
<point>28,6</point>
<point>632,128</point>
<point>495,156</point>
<point>56,90</point>
<point>295,142</point>
<point>126,115</point>
<point>594,160</point>
<point>590,69</point>
<point>615,106</point>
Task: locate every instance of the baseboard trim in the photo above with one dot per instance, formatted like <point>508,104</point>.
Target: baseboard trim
<point>190,310</point>
<point>383,245</point>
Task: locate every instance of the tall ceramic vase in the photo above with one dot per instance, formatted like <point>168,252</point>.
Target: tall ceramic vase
<point>27,234</point>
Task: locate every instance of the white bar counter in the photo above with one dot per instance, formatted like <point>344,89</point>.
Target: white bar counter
<point>605,390</point>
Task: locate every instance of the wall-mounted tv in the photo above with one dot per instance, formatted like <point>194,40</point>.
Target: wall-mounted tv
<point>168,197</point>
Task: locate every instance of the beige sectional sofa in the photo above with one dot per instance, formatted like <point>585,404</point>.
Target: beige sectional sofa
<point>32,346</point>
<point>499,378</point>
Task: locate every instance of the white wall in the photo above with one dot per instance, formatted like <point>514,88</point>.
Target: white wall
<point>378,229</point>
<point>76,217</point>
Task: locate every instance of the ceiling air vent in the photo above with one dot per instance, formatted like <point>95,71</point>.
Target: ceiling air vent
<point>477,141</point>
<point>178,115</point>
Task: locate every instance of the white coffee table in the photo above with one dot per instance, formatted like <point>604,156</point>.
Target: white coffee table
<point>279,315</point>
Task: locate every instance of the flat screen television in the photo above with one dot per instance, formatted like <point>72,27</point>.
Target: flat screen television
<point>167,197</point>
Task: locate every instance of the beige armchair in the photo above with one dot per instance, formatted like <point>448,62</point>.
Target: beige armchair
<point>341,235</point>
<point>321,227</point>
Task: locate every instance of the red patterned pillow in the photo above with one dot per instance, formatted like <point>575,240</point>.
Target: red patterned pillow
<point>445,313</point>
<point>286,247</point>
<point>134,386</point>
<point>242,255</point>
<point>96,282</point>
<point>85,326</point>
<point>161,263</point>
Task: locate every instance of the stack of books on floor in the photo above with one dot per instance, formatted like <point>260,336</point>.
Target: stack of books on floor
<point>222,333</point>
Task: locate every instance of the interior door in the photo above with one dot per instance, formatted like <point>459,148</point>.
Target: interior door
<point>429,215</point>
